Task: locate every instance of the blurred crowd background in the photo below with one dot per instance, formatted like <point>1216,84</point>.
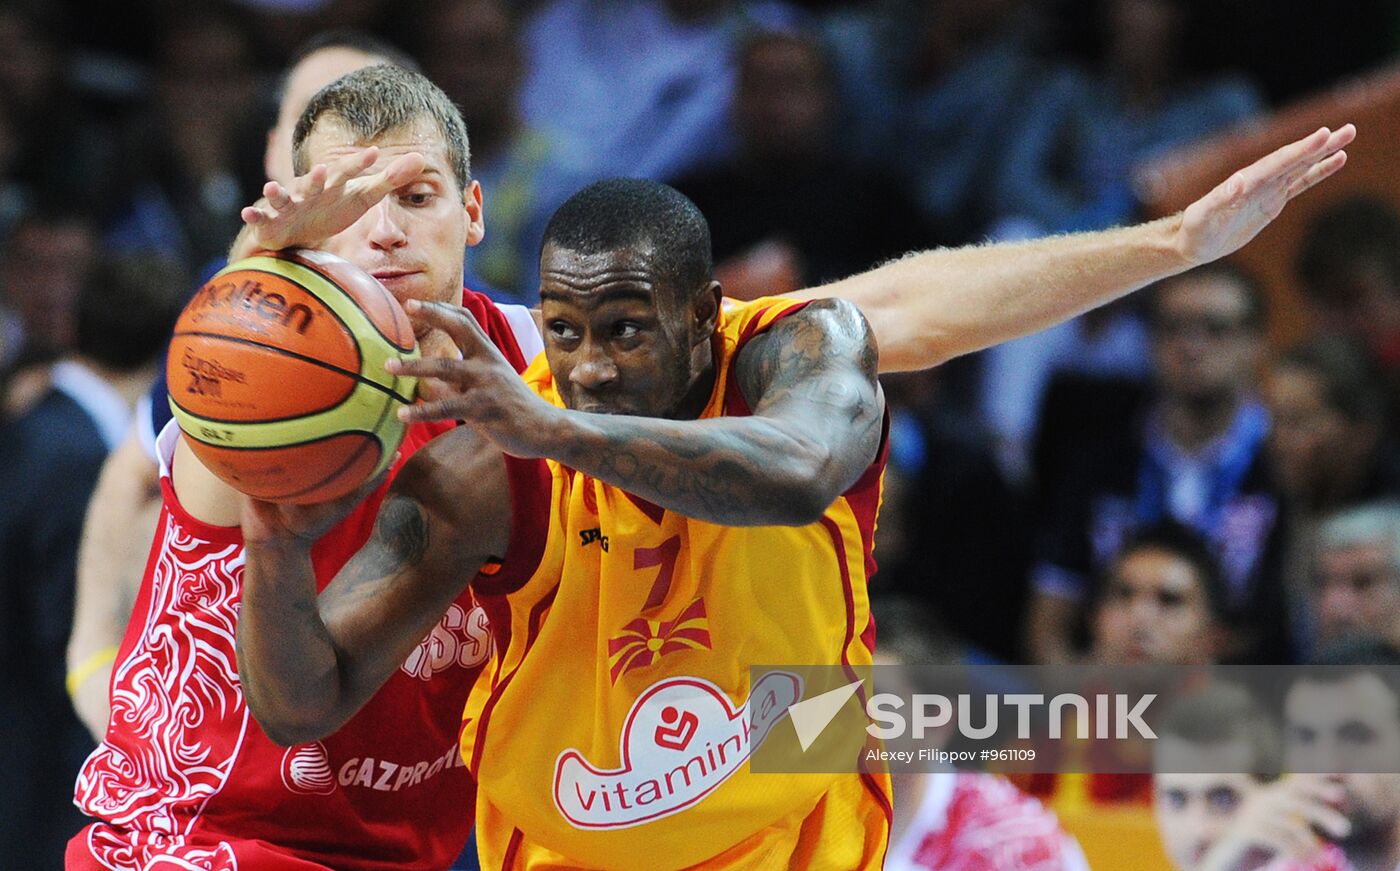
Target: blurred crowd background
<point>1156,482</point>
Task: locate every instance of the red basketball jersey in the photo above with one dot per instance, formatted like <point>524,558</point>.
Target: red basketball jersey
<point>185,777</point>
<point>968,821</point>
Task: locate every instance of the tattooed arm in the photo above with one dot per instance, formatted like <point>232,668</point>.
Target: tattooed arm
<point>308,663</point>
<point>816,423</point>
<point>817,413</point>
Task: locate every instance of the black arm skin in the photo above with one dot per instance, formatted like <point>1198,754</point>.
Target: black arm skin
<point>308,663</point>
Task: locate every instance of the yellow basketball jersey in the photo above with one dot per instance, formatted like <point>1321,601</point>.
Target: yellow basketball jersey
<point>612,728</point>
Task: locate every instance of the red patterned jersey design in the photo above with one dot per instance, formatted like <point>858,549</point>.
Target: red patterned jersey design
<point>185,778</point>
<point>980,822</point>
<point>1330,858</point>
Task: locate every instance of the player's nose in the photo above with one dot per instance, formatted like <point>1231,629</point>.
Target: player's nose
<point>386,229</point>
<point>593,371</point>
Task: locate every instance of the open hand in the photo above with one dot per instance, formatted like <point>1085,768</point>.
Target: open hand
<point>481,389</point>
<point>1281,821</point>
<point>1224,220</point>
<point>329,198</point>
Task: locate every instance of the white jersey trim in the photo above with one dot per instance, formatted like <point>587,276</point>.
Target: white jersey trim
<point>164,452</point>
<point>523,327</point>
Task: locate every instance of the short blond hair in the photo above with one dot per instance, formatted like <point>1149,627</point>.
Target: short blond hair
<point>376,99</point>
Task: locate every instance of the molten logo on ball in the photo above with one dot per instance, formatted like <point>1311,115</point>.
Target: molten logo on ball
<point>276,375</point>
<point>250,297</point>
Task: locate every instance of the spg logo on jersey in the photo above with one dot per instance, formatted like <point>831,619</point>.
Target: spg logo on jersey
<point>680,741</point>
<point>461,638</point>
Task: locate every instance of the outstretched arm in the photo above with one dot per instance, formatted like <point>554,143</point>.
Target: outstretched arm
<point>308,663</point>
<point>810,380</point>
<point>929,307</point>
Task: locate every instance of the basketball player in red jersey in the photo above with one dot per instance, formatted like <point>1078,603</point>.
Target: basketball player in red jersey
<point>185,776</point>
<point>1070,274</point>
<point>123,510</point>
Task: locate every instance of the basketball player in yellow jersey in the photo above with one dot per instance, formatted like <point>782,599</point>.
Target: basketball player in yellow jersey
<point>714,512</point>
<point>696,525</point>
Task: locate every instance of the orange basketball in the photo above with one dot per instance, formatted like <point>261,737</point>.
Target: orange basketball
<point>276,375</point>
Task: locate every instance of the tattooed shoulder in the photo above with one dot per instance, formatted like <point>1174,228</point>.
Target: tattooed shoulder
<point>827,335</point>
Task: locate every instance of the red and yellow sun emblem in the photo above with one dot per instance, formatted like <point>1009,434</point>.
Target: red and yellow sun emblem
<point>642,642</point>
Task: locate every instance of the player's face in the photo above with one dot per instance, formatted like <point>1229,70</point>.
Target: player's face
<point>1352,725</point>
<point>414,239</point>
<point>619,342</point>
<point>1358,591</point>
<point>1193,809</point>
<point>313,73</point>
<point>1153,611</point>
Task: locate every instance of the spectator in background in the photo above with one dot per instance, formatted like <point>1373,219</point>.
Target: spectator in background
<point>954,536</point>
<point>1106,345</point>
<point>1358,574</point>
<point>190,173</point>
<point>1349,268</point>
<point>935,90</point>
<point>472,49</point>
<point>654,103</point>
<point>1239,815</point>
<point>1194,453</point>
<point>1070,165</point>
<point>774,198</point>
<point>44,261</point>
<point>1329,449</point>
<point>1161,603</point>
<point>1329,443</point>
<point>1344,718</point>
<point>56,153</point>
<point>53,451</point>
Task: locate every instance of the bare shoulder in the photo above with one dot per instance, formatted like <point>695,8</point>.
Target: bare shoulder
<point>202,495</point>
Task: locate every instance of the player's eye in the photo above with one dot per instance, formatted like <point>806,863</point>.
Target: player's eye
<point>626,330</point>
<point>1358,734</point>
<point>1222,799</point>
<point>1174,799</point>
<point>418,198</point>
<point>563,332</point>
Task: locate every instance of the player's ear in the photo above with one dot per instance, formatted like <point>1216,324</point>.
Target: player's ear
<point>472,202</point>
<point>705,310</point>
<point>268,151</point>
